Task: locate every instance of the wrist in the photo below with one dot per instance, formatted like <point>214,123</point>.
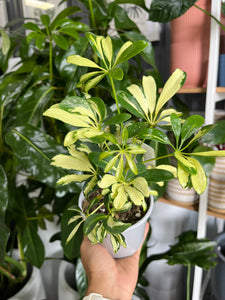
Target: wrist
<point>94,296</point>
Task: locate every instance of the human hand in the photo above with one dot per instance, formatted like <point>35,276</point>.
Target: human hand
<point>112,278</point>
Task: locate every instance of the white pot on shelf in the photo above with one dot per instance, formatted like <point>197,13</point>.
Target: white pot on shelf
<point>66,279</point>
<point>175,193</point>
<point>33,289</point>
<point>133,235</point>
<point>216,195</point>
<point>218,171</point>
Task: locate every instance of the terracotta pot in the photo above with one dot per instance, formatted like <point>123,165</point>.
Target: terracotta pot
<point>189,51</point>
<point>175,193</point>
<point>133,235</point>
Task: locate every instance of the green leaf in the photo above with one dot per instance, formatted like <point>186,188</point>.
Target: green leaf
<point>134,49</point>
<point>33,247</point>
<point>93,82</point>
<point>116,73</point>
<point>5,42</point>
<point>140,3</point>
<point>148,53</point>
<point>33,27</point>
<point>176,126</point>
<point>122,21</point>
<point>4,197</point>
<point>92,221</point>
<point>60,41</point>
<point>127,101</point>
<point>114,226</point>
<point>217,135</point>
<point>63,14</point>
<point>156,135</point>
<point>45,19</point>
<point>190,250</point>
<point>157,175</point>
<point>69,31</point>
<point>121,118</point>
<point>166,10</point>
<point>71,249</point>
<point>190,126</point>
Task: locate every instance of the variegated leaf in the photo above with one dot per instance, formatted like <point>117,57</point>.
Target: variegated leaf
<point>149,87</point>
<point>73,178</point>
<point>107,48</point>
<point>139,96</point>
<point>122,49</point>
<point>82,61</point>
<point>70,163</point>
<point>141,185</point>
<point>135,196</point>
<point>68,118</point>
<point>183,175</point>
<point>199,180</point>
<point>121,198</point>
<point>173,84</point>
<point>106,181</point>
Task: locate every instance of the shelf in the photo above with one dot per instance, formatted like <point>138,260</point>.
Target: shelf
<point>193,207</point>
<point>199,90</point>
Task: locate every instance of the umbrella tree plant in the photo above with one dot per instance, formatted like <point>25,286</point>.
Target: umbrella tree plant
<point>107,149</point>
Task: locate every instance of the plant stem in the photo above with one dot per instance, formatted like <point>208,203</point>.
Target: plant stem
<point>188,281</point>
<point>209,14</point>
<point>157,158</point>
<point>94,211</point>
<point>7,273</point>
<point>92,13</point>
<point>50,61</point>
<point>114,94</point>
<point>23,263</point>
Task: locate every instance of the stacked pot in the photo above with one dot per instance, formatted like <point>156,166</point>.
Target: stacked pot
<point>216,195</point>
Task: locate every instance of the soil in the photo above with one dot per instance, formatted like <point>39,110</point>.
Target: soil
<point>132,216</point>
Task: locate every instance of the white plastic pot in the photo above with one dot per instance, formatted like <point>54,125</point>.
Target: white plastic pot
<point>133,235</point>
<point>65,278</point>
<point>33,289</point>
<point>175,193</point>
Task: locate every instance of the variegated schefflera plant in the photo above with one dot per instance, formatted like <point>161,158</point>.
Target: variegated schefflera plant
<point>108,149</point>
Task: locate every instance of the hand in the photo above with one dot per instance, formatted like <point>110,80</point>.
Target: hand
<point>112,278</point>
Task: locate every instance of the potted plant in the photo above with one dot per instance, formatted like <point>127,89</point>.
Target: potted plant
<point>108,150</point>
